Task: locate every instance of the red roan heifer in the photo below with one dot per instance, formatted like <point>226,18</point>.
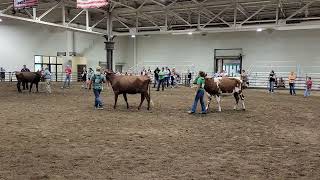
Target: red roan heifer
<point>129,85</point>
<point>215,87</point>
<point>26,77</point>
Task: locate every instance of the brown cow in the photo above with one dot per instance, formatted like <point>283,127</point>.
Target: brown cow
<point>129,85</point>
<point>215,87</point>
<point>26,77</point>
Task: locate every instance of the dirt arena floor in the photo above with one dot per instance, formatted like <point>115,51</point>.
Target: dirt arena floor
<point>60,136</point>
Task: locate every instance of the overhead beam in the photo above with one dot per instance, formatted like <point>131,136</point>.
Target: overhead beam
<point>242,10</point>
<point>141,5</point>
<point>215,17</point>
<point>179,17</point>
<point>6,9</point>
<point>211,13</point>
<point>301,9</point>
<point>121,22</point>
<point>149,19</point>
<point>257,12</point>
<point>98,22</point>
<point>76,16</point>
<point>121,4</point>
<point>87,20</point>
<point>49,24</point>
<point>235,13</point>
<point>28,13</point>
<point>49,10</point>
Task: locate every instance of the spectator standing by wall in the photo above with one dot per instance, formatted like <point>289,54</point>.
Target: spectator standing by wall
<point>292,80</point>
<point>161,79</point>
<point>244,78</point>
<point>189,78</point>
<point>47,79</point>
<point>25,84</point>
<point>2,74</point>
<point>84,77</point>
<point>272,80</point>
<point>156,77</point>
<point>68,72</point>
<point>89,75</point>
<point>307,92</point>
<point>167,76</point>
<point>172,77</point>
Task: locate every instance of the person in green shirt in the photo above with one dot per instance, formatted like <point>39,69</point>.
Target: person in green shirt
<point>161,79</point>
<point>199,94</point>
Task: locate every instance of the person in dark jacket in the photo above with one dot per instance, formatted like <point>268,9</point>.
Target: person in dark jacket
<point>25,84</point>
<point>156,77</point>
<point>272,79</point>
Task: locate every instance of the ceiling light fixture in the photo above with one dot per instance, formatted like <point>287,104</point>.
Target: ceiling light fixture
<point>133,36</point>
<point>189,33</point>
<point>259,29</point>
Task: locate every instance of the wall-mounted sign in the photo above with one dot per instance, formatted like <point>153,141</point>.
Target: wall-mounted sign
<point>18,4</point>
<point>85,4</point>
<point>61,54</point>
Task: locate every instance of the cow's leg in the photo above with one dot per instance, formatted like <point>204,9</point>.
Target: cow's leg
<point>115,100</point>
<point>31,84</point>
<point>236,96</point>
<point>37,86</point>
<point>242,101</point>
<point>148,99</point>
<point>126,99</point>
<point>19,86</point>
<point>218,102</point>
<point>209,101</point>
<point>142,99</point>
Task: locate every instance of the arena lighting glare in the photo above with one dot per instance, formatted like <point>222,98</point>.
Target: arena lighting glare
<point>0,20</point>
<point>259,29</point>
<point>189,33</point>
<point>133,36</point>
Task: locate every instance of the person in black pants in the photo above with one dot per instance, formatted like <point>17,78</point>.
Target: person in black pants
<point>25,84</point>
<point>272,79</point>
<point>189,78</point>
<point>156,77</point>
<point>161,79</point>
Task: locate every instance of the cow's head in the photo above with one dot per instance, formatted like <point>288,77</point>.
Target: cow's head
<point>109,74</point>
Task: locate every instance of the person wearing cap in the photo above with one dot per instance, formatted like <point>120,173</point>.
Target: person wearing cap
<point>97,80</point>
<point>47,79</point>
<point>25,84</point>
<point>68,72</point>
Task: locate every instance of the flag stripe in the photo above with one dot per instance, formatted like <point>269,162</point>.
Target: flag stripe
<point>26,3</point>
<point>91,3</point>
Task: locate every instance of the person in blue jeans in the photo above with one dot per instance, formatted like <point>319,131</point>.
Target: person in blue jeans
<point>272,80</point>
<point>97,80</point>
<point>199,94</point>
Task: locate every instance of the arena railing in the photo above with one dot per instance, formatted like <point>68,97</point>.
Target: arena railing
<point>256,79</point>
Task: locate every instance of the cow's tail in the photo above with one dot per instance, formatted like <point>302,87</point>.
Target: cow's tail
<point>151,102</point>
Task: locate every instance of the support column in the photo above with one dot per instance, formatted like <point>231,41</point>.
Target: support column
<point>109,44</point>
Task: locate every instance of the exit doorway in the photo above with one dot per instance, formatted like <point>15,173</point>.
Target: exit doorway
<point>80,71</point>
<point>229,61</point>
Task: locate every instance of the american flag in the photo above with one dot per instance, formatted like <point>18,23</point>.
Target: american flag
<point>84,4</point>
<point>24,3</point>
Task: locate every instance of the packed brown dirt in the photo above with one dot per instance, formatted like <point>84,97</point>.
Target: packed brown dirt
<point>61,136</point>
